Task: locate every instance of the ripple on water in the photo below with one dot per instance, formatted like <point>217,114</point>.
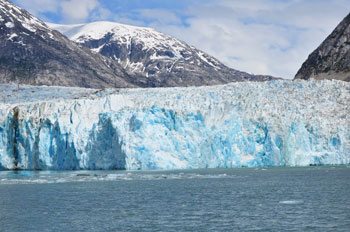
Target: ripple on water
<point>88,177</point>
<point>291,202</point>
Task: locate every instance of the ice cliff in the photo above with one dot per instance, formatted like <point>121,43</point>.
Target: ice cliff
<point>276,123</point>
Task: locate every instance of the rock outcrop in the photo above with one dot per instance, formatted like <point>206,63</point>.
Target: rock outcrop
<point>331,60</point>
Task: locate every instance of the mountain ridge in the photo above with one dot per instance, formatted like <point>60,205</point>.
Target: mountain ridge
<point>33,53</point>
<point>331,60</point>
<point>153,57</point>
<point>119,56</point>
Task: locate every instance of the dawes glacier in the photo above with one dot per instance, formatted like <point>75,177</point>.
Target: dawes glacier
<point>276,123</point>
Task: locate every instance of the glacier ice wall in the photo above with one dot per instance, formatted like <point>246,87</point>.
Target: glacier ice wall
<point>277,123</point>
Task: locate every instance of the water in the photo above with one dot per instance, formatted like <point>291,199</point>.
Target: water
<point>278,199</point>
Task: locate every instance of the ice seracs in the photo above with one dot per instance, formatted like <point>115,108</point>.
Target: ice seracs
<point>277,123</point>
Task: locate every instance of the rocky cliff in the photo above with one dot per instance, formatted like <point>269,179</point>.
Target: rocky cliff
<point>331,60</point>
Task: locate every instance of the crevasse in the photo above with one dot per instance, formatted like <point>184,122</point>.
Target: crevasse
<point>277,123</point>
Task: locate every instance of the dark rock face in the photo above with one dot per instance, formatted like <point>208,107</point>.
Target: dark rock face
<point>331,60</point>
<point>32,53</point>
<point>154,59</point>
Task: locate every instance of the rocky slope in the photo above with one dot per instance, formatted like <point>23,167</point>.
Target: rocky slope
<point>153,58</point>
<point>32,53</point>
<point>331,60</point>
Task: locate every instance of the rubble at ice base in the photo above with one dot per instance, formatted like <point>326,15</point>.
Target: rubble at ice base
<point>248,124</point>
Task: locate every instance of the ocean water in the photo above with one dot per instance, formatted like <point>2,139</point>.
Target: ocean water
<point>276,199</point>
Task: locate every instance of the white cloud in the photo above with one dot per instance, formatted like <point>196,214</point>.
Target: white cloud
<point>259,36</point>
<point>263,37</point>
<point>39,6</point>
<point>78,10</point>
<point>75,10</point>
<point>159,16</point>
<point>70,11</point>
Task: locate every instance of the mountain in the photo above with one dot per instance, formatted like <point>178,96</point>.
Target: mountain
<point>102,54</point>
<point>33,53</point>
<point>274,123</point>
<point>152,58</point>
<point>331,60</point>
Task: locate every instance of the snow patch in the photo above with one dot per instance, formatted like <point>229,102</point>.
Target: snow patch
<point>26,20</point>
<point>28,27</point>
<point>12,36</point>
<point>97,50</point>
<point>202,57</point>
<point>10,25</point>
<point>124,34</point>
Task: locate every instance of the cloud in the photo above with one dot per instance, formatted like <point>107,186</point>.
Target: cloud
<point>66,11</point>
<point>37,7</point>
<point>271,37</point>
<point>159,16</point>
<point>258,36</point>
<point>77,10</point>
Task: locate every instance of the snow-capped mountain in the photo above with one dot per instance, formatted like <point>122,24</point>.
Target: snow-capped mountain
<point>33,53</point>
<point>153,58</point>
<point>274,123</point>
<point>331,60</point>
<point>121,56</point>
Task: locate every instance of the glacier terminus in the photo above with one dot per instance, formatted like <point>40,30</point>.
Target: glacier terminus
<point>244,124</point>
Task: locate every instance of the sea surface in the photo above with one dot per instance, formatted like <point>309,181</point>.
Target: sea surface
<point>273,199</point>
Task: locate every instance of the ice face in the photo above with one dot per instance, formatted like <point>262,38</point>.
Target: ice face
<point>277,123</point>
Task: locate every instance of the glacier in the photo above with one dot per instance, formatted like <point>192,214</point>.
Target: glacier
<point>247,124</point>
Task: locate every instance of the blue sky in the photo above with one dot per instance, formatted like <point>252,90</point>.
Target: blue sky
<point>258,36</point>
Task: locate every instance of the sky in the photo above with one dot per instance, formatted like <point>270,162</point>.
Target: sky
<point>271,37</point>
